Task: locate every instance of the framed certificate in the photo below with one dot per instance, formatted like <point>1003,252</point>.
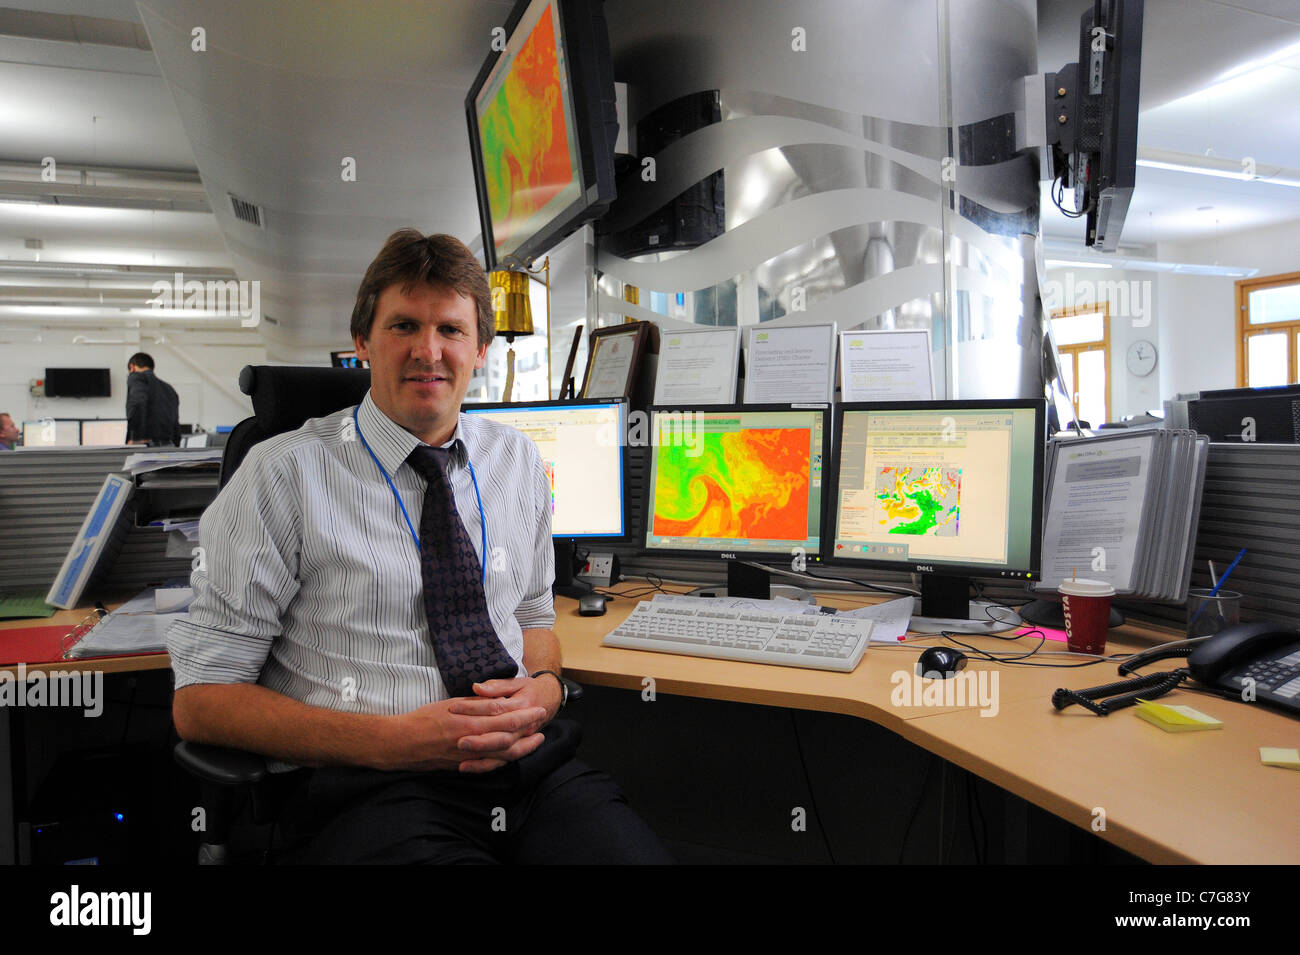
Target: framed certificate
<point>698,367</point>
<point>613,360</point>
<point>790,364</point>
<point>886,365</point>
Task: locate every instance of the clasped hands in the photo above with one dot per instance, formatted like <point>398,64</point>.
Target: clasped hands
<point>501,723</point>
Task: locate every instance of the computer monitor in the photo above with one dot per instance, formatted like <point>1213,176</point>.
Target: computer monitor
<point>52,433</point>
<point>737,482</point>
<point>542,126</point>
<point>1092,118</point>
<point>582,450</point>
<point>103,432</point>
<point>947,489</point>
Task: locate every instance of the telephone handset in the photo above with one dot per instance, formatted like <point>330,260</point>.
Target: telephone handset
<point>1263,657</point>
<point>1250,661</point>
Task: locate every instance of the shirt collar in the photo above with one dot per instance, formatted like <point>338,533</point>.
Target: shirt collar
<point>393,444</point>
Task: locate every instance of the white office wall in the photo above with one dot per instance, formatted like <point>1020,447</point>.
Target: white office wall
<point>1133,317</point>
<point>1197,324</point>
<point>207,384</point>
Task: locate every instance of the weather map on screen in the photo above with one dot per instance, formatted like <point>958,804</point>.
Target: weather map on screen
<point>918,500</point>
<point>742,480</point>
<point>745,484</point>
<point>527,133</point>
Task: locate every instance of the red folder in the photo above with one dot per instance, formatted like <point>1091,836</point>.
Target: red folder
<point>32,645</point>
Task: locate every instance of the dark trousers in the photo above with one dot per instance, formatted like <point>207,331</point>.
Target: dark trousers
<point>545,808</point>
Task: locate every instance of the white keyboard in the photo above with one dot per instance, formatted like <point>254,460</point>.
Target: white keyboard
<point>819,641</point>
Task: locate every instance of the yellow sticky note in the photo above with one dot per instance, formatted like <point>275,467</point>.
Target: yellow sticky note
<point>1280,756</point>
<point>1175,719</point>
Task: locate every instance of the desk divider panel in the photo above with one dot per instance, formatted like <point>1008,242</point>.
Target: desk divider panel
<point>44,496</point>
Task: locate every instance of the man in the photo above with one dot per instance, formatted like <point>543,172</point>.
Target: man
<point>152,415</point>
<point>352,611</point>
<point>9,433</point>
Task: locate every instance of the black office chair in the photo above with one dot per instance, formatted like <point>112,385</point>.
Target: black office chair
<point>284,397</point>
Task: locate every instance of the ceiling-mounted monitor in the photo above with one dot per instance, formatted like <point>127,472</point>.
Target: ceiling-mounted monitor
<point>1092,121</point>
<point>542,125</point>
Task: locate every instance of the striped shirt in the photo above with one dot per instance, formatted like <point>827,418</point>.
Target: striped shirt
<point>309,581</point>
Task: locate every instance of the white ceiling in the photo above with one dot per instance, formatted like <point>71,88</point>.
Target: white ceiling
<point>1187,105</point>
<point>285,91</point>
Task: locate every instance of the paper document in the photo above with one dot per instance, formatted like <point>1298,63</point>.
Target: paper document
<point>1096,499</point>
<point>890,618</point>
<point>886,365</point>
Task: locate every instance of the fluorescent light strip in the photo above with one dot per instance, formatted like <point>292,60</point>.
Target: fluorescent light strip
<point>1216,173</point>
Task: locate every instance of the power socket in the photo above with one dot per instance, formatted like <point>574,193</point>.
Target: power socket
<point>600,570</point>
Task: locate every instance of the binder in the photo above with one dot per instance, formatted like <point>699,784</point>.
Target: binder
<point>1124,508</point>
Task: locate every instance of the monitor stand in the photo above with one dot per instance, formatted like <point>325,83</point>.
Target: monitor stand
<point>566,565</point>
<point>946,606</point>
<point>753,583</point>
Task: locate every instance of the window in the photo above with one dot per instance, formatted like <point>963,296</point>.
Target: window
<point>1083,339</point>
<point>1268,326</point>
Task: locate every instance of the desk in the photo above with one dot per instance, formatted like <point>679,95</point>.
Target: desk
<point>1168,798</point>
<point>13,765</point>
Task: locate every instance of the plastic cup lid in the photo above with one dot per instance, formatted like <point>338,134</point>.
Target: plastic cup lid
<point>1080,587</point>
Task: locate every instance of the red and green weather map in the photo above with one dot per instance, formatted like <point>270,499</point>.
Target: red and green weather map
<point>525,142</point>
<point>748,484</point>
<point>919,501</point>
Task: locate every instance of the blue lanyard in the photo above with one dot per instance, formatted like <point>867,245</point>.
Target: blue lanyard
<point>482,518</point>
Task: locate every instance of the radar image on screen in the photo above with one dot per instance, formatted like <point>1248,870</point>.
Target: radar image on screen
<point>750,484</point>
<point>527,155</point>
<point>918,501</point>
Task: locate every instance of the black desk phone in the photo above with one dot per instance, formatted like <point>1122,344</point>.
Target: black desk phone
<point>1252,662</point>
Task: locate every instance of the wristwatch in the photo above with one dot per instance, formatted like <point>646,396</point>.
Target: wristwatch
<point>562,681</point>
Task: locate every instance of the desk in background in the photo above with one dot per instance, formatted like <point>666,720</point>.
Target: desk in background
<point>13,766</point>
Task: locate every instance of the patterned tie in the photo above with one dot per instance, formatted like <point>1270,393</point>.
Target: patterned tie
<point>467,647</point>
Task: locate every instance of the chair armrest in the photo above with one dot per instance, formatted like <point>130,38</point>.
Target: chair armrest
<point>216,764</point>
<point>575,690</point>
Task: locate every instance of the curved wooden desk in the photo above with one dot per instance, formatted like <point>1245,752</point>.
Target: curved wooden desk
<point>1168,798</point>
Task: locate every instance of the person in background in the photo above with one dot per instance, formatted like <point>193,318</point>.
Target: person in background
<point>9,433</point>
<point>152,407</point>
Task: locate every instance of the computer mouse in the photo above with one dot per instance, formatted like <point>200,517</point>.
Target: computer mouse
<point>940,663</point>
<point>591,605</point>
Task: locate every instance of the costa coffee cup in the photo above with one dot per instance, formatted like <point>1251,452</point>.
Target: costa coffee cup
<point>1087,613</point>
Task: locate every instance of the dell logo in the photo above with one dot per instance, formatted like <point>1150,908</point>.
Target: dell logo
<point>925,568</point>
<point>726,556</point>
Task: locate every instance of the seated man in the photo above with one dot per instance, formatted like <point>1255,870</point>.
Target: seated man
<point>373,599</point>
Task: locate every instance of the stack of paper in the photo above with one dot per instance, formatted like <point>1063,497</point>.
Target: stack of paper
<point>1123,508</point>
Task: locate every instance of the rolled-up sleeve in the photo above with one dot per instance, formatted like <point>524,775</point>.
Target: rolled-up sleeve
<point>537,608</point>
<point>245,574</point>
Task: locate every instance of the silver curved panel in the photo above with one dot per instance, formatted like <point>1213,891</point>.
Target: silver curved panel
<point>866,179</point>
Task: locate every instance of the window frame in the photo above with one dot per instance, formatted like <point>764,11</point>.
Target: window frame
<point>1074,350</point>
<point>1246,330</point>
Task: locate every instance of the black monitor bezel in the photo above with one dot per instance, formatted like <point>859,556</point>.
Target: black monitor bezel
<point>591,79</point>
<point>623,455</point>
<point>811,556</point>
<point>831,485</point>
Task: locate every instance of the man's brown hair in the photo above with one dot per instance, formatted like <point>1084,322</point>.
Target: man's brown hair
<point>409,258</point>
